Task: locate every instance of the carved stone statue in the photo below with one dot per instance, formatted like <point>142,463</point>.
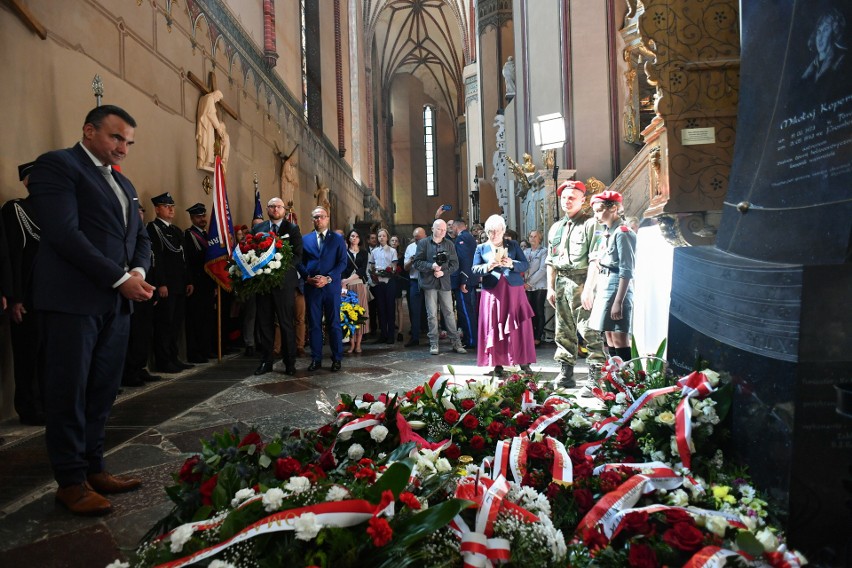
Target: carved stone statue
<point>207,128</point>
<point>509,77</point>
<point>322,195</point>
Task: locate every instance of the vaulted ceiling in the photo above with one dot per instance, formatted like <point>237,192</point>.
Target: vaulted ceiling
<point>425,38</point>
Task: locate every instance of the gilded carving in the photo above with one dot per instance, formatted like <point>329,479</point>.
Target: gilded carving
<point>655,163</point>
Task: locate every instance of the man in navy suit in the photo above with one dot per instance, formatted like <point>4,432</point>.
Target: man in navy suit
<point>322,264</point>
<point>464,282</point>
<point>90,267</point>
<point>279,302</point>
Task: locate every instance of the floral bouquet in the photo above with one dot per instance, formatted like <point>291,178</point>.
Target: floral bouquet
<point>258,264</point>
<point>351,313</point>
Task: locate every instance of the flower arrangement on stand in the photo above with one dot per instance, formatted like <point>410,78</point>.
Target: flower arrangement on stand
<point>258,264</point>
<point>351,313</point>
<point>477,471</point>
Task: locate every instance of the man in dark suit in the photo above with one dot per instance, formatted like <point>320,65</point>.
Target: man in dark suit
<point>22,237</point>
<point>464,282</point>
<point>171,277</point>
<point>325,258</point>
<point>279,303</point>
<point>201,304</point>
<point>90,267</point>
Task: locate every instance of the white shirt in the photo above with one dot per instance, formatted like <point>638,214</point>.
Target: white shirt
<point>381,258</point>
<point>410,251</point>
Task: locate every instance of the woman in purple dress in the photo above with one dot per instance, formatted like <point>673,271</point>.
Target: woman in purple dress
<point>505,315</point>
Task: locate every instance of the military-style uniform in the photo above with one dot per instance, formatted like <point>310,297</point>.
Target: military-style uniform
<point>569,243</point>
<point>201,306</point>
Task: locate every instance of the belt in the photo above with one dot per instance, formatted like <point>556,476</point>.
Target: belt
<point>605,270</point>
<point>571,271</point>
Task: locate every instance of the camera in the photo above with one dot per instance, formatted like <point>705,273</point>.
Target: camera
<point>441,258</point>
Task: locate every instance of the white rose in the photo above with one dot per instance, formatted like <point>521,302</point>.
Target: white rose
<point>416,424</point>
<point>298,485</point>
<point>620,398</point>
<point>307,526</point>
<point>665,418</point>
<point>179,537</point>
<point>643,414</point>
<point>617,409</point>
<point>377,408</point>
<point>637,425</point>
<point>678,498</point>
<point>379,433</point>
<point>279,256</point>
<point>356,452</point>
<point>715,524</point>
<point>272,500</point>
<point>345,436</point>
<point>768,540</point>
<point>443,465</point>
<point>712,376</point>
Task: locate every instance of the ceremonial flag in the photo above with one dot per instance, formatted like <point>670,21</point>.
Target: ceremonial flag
<point>220,236</point>
<point>258,210</point>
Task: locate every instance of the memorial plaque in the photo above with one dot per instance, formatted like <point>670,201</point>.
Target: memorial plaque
<point>790,197</point>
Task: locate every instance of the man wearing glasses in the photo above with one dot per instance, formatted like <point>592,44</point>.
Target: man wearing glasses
<point>278,304</point>
<point>324,259</point>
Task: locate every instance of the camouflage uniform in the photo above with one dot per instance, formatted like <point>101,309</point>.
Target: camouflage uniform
<point>569,243</point>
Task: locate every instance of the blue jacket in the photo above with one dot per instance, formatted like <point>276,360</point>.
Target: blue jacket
<point>485,254</point>
<point>465,249</point>
<point>332,262</point>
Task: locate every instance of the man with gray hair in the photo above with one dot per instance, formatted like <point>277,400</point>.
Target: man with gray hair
<point>436,260</point>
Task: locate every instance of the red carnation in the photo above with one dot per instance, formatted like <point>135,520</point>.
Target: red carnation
<point>477,442</point>
<point>583,469</point>
<point>187,471</point>
<point>509,432</point>
<point>494,429</point>
<point>409,500</point>
<point>207,488</point>
<point>594,539</point>
<point>366,473</point>
<point>610,480</point>
<point>506,412</point>
<point>523,420</point>
<point>684,536</point>
<point>641,556</point>
<point>470,422</point>
<point>380,531</point>
<point>584,499</point>
<point>252,438</point>
<point>285,468</point>
<point>451,416</point>
<point>467,404</point>
<point>452,452</point>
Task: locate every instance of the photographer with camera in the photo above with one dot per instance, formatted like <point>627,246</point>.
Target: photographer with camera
<point>436,260</point>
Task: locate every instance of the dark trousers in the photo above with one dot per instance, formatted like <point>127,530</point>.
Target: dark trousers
<point>29,385</point>
<point>385,295</point>
<point>466,316</point>
<point>276,305</point>
<point>139,344</point>
<point>321,302</point>
<point>84,357</point>
<point>537,299</point>
<point>415,307</point>
<point>200,323</point>
<point>168,316</point>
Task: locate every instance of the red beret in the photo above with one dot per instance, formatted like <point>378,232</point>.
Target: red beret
<point>571,184</point>
<point>607,195</point>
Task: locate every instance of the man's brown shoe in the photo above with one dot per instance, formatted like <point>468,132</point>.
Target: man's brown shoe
<point>81,499</point>
<point>105,482</point>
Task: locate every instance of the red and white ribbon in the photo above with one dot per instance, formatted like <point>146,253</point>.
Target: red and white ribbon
<point>543,422</point>
<point>695,385</point>
<point>562,470</point>
<point>368,421</point>
<point>710,557</point>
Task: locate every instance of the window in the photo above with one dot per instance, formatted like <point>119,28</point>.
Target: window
<point>429,143</point>
<point>311,64</point>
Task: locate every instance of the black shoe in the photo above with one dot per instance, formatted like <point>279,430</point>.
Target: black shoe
<point>413,343</point>
<point>315,365</point>
<point>169,369</point>
<point>148,377</point>
<point>198,360</point>
<point>249,352</point>
<point>399,337</point>
<point>335,366</point>
<point>389,342</point>
<point>36,419</point>
<point>132,381</point>
<point>291,370</point>
<point>181,365</point>
<point>265,367</point>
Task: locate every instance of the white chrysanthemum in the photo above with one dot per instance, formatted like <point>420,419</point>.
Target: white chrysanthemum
<point>747,492</point>
<point>379,433</point>
<point>443,465</point>
<point>274,264</point>
<point>279,256</point>
<point>251,255</point>
<point>298,485</point>
<point>267,271</point>
<point>337,493</point>
<point>179,537</point>
<point>272,500</point>
<point>577,420</point>
<point>377,408</point>
<point>241,496</point>
<point>356,452</point>
<point>307,526</point>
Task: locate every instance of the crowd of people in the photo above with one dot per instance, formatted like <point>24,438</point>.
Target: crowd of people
<point>101,294</point>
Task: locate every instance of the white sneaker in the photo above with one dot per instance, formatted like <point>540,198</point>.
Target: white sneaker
<point>433,349</point>
<point>459,349</point>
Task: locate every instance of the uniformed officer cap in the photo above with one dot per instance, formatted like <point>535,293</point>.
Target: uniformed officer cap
<point>24,170</point>
<point>570,184</point>
<point>197,209</point>
<point>607,196</point>
<point>163,199</point>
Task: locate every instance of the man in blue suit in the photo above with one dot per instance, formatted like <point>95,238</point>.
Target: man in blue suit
<point>323,262</point>
<point>278,304</point>
<point>464,282</point>
<point>90,267</point>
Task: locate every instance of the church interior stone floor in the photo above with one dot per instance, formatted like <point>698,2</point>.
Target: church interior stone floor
<point>154,428</point>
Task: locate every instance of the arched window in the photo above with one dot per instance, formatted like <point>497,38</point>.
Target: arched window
<point>431,150</point>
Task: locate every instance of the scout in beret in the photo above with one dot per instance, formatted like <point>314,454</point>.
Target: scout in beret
<point>570,184</point>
